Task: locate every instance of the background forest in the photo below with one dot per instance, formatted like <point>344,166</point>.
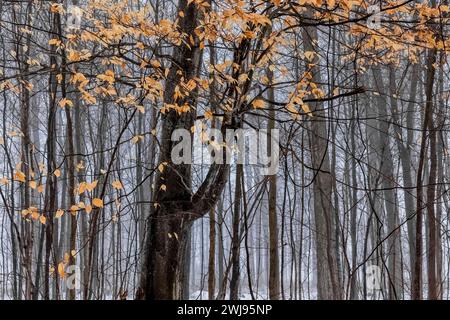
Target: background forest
<point>93,207</point>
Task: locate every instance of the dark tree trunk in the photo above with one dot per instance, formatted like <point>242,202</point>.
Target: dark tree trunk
<point>175,206</point>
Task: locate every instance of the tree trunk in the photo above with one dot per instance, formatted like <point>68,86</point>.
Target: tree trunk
<point>174,205</point>
<point>274,264</point>
<point>417,281</point>
<point>327,274</point>
<point>235,240</point>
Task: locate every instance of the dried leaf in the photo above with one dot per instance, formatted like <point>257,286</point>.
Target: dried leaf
<point>57,173</point>
<point>117,185</point>
<point>97,202</point>
<point>59,213</point>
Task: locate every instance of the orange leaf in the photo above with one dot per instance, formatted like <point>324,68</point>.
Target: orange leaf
<point>97,202</point>
<point>59,213</point>
<point>42,219</point>
<point>62,270</point>
<point>117,185</point>
<point>19,176</point>
<point>258,104</point>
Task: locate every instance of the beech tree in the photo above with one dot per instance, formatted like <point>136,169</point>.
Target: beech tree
<point>94,205</point>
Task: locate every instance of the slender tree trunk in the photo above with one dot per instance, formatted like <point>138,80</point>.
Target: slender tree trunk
<point>388,183</point>
<point>235,240</point>
<point>327,273</point>
<point>417,281</point>
<point>274,264</point>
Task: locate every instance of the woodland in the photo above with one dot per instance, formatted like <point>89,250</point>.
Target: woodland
<point>94,207</point>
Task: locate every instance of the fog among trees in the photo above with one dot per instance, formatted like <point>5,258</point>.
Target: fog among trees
<point>348,97</point>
